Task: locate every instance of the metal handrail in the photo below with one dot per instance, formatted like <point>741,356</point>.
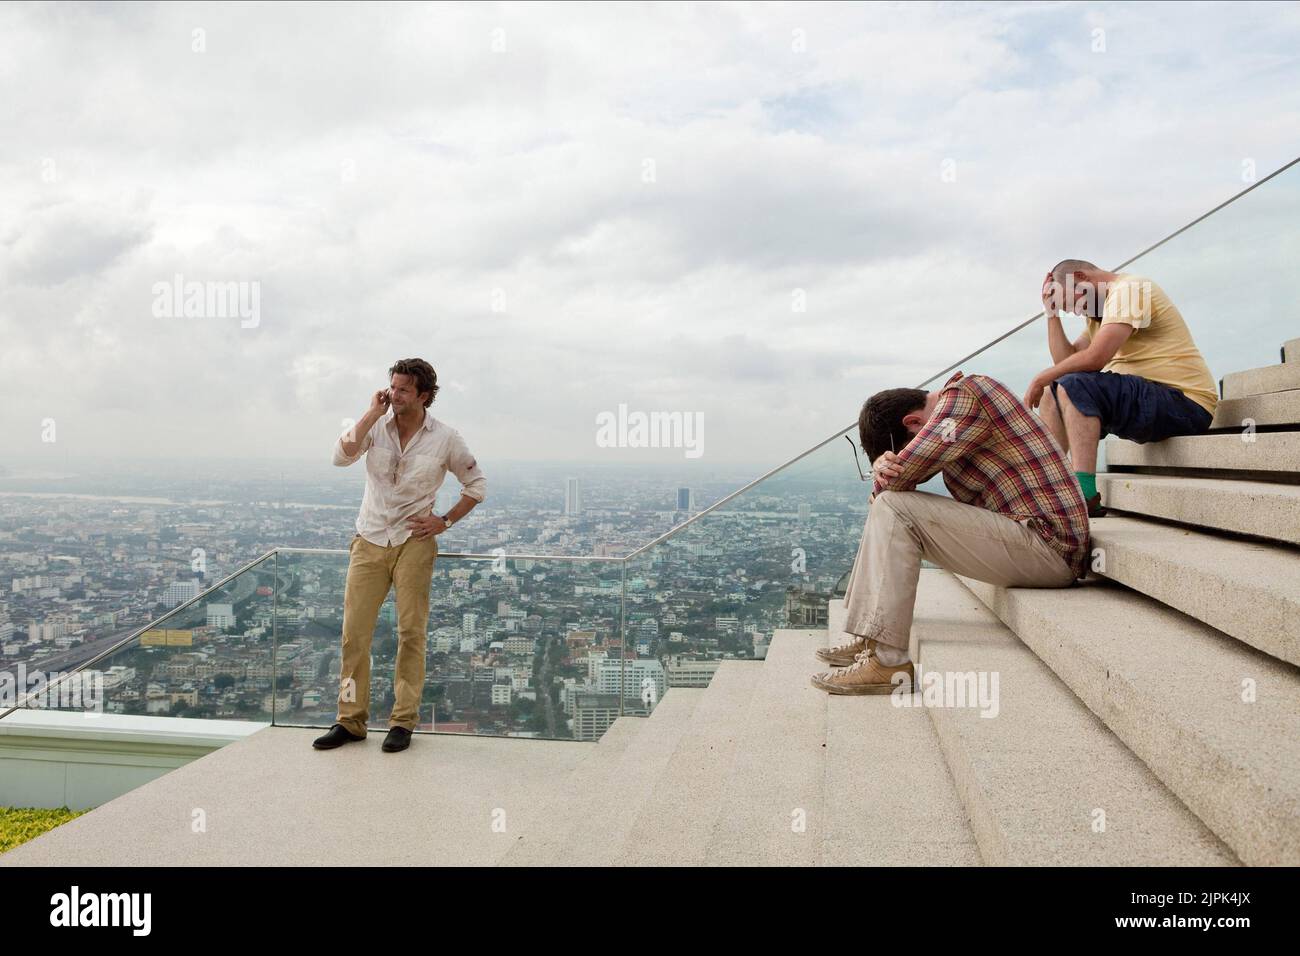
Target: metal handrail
<point>471,555</point>
<point>140,630</point>
<point>689,521</point>
<point>954,366</point>
<point>207,593</point>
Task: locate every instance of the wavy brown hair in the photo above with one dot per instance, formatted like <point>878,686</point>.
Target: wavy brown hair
<point>426,379</point>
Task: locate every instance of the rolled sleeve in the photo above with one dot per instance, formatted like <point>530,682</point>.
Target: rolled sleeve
<point>462,463</point>
<point>342,459</point>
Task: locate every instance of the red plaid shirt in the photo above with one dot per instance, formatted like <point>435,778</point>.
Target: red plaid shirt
<point>995,453</point>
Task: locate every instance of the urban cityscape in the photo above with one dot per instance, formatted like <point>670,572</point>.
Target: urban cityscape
<point>537,626</point>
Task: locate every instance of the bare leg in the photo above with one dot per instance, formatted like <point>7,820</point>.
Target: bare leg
<point>1050,414</point>
<point>1084,434</point>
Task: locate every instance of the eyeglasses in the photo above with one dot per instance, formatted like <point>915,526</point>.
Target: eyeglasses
<point>858,462</point>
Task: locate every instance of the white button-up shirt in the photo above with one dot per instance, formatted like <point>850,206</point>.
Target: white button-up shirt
<point>401,483</point>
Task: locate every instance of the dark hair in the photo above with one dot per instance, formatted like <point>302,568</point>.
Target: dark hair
<point>882,416</point>
<point>426,379</point>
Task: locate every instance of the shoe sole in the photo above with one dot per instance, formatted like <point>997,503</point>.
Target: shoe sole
<point>859,690</point>
<point>833,660</point>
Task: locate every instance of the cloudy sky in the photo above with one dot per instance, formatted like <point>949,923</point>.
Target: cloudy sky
<point>759,213</point>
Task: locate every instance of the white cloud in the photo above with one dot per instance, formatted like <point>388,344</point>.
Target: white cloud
<point>387,178</point>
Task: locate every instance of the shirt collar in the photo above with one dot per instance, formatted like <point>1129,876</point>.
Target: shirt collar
<point>391,419</point>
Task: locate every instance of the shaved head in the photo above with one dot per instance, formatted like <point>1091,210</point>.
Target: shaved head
<point>1070,267</point>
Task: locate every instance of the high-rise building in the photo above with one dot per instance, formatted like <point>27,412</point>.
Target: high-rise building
<point>221,615</point>
<point>685,500</point>
<point>686,672</point>
<point>805,511</point>
<point>572,497</point>
<point>634,679</point>
<point>593,713</point>
<point>178,592</point>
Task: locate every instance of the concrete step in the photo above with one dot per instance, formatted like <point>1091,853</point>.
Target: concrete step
<point>1291,350</point>
<point>677,819</point>
<point>271,800</point>
<point>1265,453</point>
<point>1215,720</point>
<point>909,816</point>
<point>1258,508</point>
<point>1261,381</point>
<point>564,810</point>
<point>610,810</point>
<point>889,797</point>
<point>1248,590</point>
<point>1044,781</point>
<point>1275,408</point>
<point>773,796</point>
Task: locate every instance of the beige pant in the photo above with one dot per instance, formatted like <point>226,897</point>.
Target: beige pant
<point>905,526</point>
<point>372,571</point>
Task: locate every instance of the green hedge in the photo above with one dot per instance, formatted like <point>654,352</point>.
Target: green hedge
<point>20,824</point>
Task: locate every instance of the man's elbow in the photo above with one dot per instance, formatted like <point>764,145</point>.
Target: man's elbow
<point>1095,361</point>
<point>341,458</point>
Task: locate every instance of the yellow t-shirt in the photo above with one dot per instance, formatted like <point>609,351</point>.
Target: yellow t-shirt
<point>1161,348</point>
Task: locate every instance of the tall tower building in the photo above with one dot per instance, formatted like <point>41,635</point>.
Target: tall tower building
<point>572,497</point>
<point>685,500</point>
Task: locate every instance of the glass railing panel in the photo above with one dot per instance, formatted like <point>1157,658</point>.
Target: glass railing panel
<point>1232,276</point>
<point>210,658</point>
<point>516,646</point>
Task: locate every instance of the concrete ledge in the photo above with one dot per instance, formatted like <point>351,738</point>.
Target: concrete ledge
<point>1260,381</point>
<point>608,812</point>
<point>673,826</point>
<point>1248,590</point>
<point>1258,508</point>
<point>51,758</point>
<point>779,764</point>
<point>1291,350</point>
<point>574,794</point>
<point>1275,408</point>
<point>1268,452</point>
<point>1215,720</point>
<point>271,800</point>
<point>1037,771</point>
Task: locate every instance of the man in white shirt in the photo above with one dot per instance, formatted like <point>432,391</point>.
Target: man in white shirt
<point>408,453</point>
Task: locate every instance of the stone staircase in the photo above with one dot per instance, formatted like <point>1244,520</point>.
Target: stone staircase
<point>1147,716</point>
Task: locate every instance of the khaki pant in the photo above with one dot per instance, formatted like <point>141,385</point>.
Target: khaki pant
<point>905,526</point>
<point>372,571</point>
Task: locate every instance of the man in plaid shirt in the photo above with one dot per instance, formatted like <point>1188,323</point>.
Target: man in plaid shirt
<point>1016,517</point>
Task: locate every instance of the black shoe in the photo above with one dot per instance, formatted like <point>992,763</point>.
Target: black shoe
<point>338,736</point>
<point>1095,510</point>
<point>399,738</point>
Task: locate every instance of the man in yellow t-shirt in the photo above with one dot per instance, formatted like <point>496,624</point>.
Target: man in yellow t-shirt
<point>1135,372</point>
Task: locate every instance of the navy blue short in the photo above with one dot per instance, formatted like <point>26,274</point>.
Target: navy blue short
<point>1133,407</point>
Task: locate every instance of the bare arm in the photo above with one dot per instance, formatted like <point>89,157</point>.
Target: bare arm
<point>1057,342</point>
<point>1091,359</point>
<point>353,442</point>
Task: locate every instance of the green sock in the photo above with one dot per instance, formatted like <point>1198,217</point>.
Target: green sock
<point>1087,482</point>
